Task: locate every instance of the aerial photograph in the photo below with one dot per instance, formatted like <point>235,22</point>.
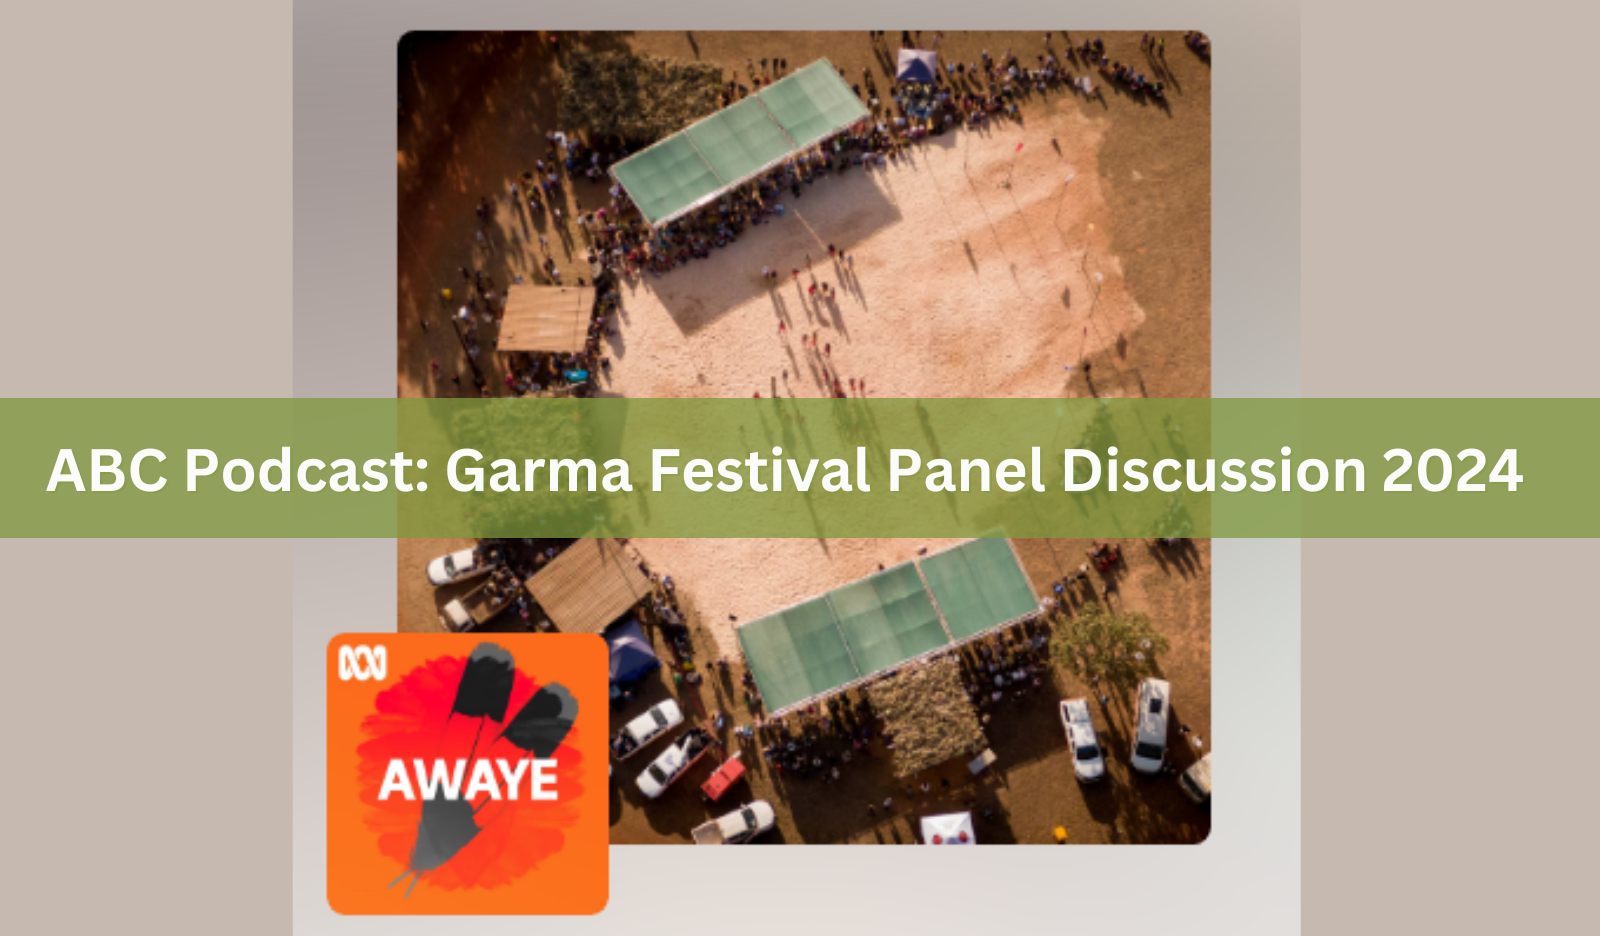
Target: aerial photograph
<point>781,215</point>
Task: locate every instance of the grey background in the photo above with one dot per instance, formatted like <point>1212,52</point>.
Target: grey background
<point>1441,172</point>
<point>1445,243</point>
<point>145,238</point>
<point>345,294</point>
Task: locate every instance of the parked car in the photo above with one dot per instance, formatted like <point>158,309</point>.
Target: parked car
<point>674,762</point>
<point>661,719</point>
<point>456,567</point>
<point>1088,763</point>
<point>737,827</point>
<point>1150,740</point>
<point>1196,781</point>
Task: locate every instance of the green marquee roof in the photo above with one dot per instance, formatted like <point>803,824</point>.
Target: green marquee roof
<point>801,653</point>
<point>979,586</point>
<point>812,103</point>
<point>693,167</point>
<point>885,619</point>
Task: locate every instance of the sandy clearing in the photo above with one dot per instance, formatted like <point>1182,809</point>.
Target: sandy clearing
<point>961,286</point>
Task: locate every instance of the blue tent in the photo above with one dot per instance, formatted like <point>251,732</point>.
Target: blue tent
<point>632,657</point>
<point>917,65</point>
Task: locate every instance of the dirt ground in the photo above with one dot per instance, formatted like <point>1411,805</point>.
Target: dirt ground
<point>972,270</point>
<point>946,258</point>
<point>1029,791</point>
<point>961,286</point>
<point>420,602</point>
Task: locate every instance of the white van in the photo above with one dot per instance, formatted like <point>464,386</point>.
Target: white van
<point>1150,740</point>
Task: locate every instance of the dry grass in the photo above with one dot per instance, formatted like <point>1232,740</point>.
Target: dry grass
<point>639,98</point>
<point>928,714</point>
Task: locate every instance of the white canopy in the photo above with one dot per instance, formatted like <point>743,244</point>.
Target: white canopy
<point>952,829</point>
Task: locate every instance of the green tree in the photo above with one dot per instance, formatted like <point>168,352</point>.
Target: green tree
<point>639,98</point>
<point>1118,647</point>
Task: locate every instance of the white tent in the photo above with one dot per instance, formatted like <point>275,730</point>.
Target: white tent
<point>952,829</point>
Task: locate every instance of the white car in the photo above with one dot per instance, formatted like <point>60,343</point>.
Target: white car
<point>674,762</point>
<point>737,827</point>
<point>661,719</point>
<point>1088,763</point>
<point>455,567</point>
<point>1150,740</point>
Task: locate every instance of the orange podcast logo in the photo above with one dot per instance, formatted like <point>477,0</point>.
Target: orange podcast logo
<point>466,774</point>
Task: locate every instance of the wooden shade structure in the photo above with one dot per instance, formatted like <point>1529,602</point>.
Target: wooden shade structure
<point>588,586</point>
<point>546,318</point>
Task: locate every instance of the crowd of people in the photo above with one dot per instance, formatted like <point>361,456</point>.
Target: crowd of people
<point>503,585</point>
<point>821,741</point>
<point>962,95</point>
<point>620,243</point>
<point>841,739</point>
<point>512,562</point>
<point>1134,82</point>
<point>1008,666</point>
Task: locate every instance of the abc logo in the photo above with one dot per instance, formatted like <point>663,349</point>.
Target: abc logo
<point>363,663</point>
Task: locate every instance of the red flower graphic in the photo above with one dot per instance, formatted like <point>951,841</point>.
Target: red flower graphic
<point>422,717</point>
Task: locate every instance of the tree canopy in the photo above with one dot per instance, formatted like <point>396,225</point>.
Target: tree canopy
<point>1119,647</point>
<point>639,98</point>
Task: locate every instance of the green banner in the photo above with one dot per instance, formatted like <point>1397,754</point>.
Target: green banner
<point>799,468</point>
